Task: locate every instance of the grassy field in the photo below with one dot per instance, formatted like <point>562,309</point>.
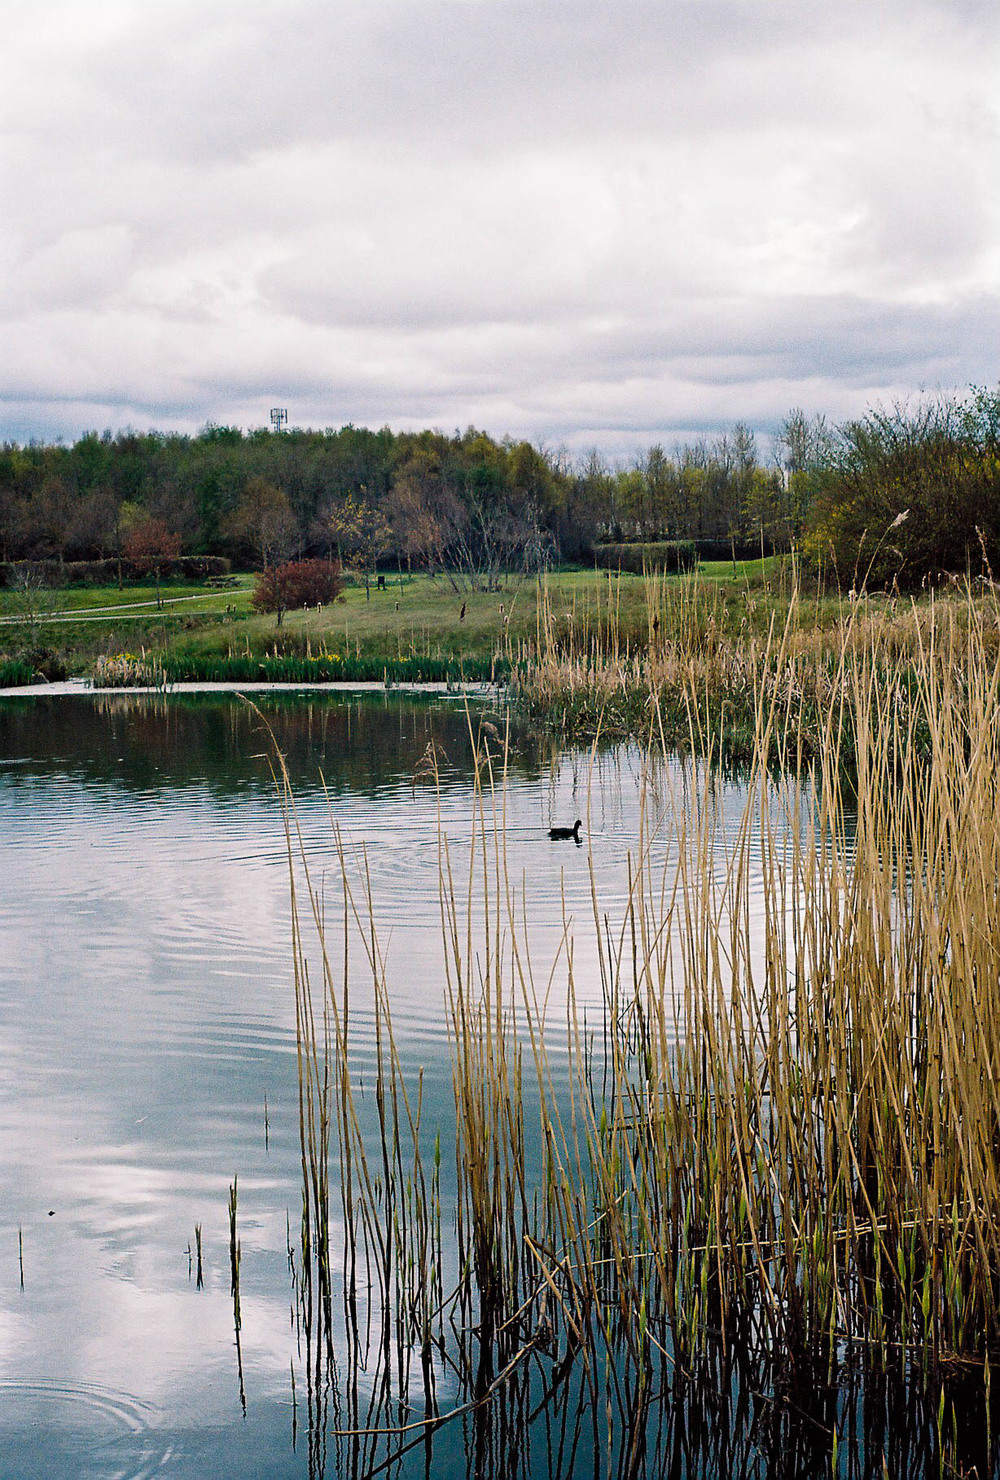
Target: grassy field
<point>420,616</point>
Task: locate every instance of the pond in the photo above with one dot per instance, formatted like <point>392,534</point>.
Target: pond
<point>148,1033</point>
<point>153,1314</point>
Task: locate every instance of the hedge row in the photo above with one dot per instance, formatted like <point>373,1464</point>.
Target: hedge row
<point>734,549</point>
<point>674,555</point>
<point>107,572</point>
<point>654,555</point>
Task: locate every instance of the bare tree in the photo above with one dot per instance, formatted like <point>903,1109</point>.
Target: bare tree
<point>802,448</point>
<point>31,601</point>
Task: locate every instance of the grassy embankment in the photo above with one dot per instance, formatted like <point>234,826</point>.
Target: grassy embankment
<point>766,1218</point>
<point>55,632</point>
<point>419,627</point>
<point>582,651</point>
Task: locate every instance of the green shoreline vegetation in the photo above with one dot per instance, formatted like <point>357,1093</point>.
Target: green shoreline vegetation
<point>579,652</point>
<point>417,621</point>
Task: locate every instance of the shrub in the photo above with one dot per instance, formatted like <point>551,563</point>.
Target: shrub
<point>297,583</point>
<point>912,493</point>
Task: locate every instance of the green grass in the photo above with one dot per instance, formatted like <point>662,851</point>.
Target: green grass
<point>16,672</point>
<point>77,601</point>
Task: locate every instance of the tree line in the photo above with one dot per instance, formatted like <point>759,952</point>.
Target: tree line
<point>479,507</point>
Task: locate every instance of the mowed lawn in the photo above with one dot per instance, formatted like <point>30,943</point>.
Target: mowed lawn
<point>79,603</point>
<point>419,614</point>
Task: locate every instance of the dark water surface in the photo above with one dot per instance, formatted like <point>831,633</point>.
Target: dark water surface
<point>147,1017</point>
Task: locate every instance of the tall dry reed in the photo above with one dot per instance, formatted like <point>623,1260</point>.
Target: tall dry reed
<point>780,1144</point>
<point>705,655</point>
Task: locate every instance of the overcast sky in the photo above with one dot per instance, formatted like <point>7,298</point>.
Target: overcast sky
<point>586,223</point>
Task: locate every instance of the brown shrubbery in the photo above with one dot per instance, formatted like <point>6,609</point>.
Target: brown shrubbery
<point>297,583</point>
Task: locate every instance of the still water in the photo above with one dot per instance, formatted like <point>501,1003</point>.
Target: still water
<point>147,1042</point>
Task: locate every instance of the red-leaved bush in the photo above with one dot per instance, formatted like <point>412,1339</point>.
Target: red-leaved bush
<point>297,583</point>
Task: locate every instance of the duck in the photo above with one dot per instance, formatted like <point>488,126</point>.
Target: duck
<point>558,834</point>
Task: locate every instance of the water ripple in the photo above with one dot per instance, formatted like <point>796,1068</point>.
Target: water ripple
<point>111,1434</point>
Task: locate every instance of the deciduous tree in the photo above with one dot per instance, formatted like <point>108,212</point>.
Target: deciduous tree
<point>150,547</point>
<point>264,521</point>
<point>363,533</point>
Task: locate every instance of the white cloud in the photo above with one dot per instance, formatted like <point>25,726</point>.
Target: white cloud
<point>569,219</point>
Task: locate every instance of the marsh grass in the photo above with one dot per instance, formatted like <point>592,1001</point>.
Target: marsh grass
<point>709,654</point>
<point>16,672</point>
<point>753,1209</point>
<point>126,670</point>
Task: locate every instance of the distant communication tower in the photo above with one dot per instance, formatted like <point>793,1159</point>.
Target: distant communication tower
<point>279,418</point>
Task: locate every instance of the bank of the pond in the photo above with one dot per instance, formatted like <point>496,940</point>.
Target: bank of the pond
<point>423,628</point>
<point>77,686</point>
<point>690,662</point>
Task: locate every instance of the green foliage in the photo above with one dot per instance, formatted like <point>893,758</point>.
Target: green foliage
<point>302,667</point>
<point>16,672</point>
<point>912,494</point>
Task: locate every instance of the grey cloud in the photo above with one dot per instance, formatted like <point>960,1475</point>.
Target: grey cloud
<point>227,82</point>
<point>709,369</point>
<point>566,219</point>
<point>82,263</point>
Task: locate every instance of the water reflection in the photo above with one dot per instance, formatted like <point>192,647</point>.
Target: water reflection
<point>147,1065</point>
<point>146,1015</point>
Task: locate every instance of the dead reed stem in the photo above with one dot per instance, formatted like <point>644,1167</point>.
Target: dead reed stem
<point>784,1136</point>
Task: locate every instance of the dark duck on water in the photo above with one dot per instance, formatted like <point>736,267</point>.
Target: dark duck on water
<point>559,834</point>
